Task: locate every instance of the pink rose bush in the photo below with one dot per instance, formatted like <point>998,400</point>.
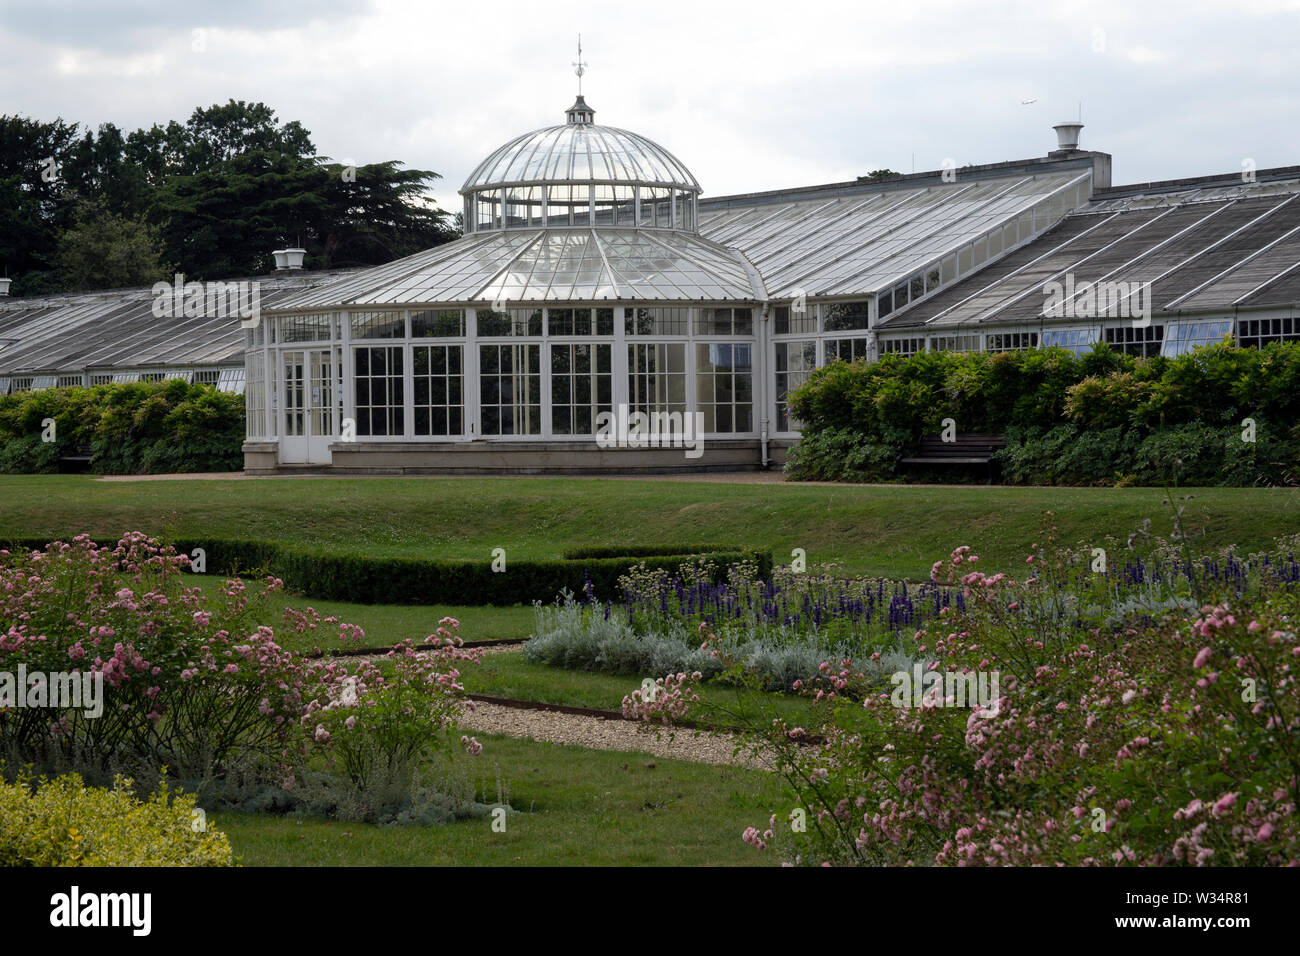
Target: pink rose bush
<point>1163,741</point>
<point>187,676</point>
<point>194,681</point>
<point>664,700</point>
<point>384,723</point>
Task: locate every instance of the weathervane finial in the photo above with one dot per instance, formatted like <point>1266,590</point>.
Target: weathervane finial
<point>579,67</point>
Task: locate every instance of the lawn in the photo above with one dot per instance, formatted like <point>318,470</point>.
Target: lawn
<point>894,531</point>
<point>583,808</point>
<point>500,675</point>
<point>386,624</point>
<point>510,675</point>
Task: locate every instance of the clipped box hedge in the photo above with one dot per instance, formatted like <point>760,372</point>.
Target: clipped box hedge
<point>366,579</point>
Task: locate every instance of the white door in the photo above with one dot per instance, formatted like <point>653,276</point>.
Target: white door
<point>310,416</point>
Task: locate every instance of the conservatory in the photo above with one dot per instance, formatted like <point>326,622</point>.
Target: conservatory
<point>593,284</point>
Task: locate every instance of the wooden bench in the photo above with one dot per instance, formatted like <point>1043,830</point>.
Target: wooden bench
<point>971,448</point>
<point>77,459</point>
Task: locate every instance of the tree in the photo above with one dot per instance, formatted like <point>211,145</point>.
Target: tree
<point>220,191</point>
<point>879,176</point>
<point>378,213</point>
<point>107,251</point>
<point>34,207</point>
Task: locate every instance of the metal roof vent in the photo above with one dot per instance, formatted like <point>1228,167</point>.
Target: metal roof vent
<point>1067,136</point>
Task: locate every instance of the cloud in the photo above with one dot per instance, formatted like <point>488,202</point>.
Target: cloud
<point>751,96</point>
<point>1142,54</point>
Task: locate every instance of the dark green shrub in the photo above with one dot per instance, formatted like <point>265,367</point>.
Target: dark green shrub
<point>1067,455</point>
<point>365,579</point>
<point>131,428</point>
<point>28,455</point>
<point>1092,419</point>
<point>843,454</point>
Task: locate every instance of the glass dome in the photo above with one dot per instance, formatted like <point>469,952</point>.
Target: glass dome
<point>580,175</point>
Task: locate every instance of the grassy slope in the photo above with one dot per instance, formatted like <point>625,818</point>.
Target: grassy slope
<point>895,531</point>
<point>587,807</point>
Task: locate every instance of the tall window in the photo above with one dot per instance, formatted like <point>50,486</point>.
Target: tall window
<point>437,381</point>
<point>724,386</point>
<point>510,389</point>
<point>603,202</point>
<point>379,395</point>
<point>255,405</point>
<point>656,206</point>
<point>487,205</point>
<point>581,386</point>
<point>656,377</point>
<point>523,206</point>
<point>295,394</point>
<point>794,363</point>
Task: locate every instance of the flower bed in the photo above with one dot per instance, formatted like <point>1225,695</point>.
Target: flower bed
<point>195,681</point>
<point>1165,740</point>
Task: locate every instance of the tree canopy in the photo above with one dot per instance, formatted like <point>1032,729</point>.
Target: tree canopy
<point>211,197</point>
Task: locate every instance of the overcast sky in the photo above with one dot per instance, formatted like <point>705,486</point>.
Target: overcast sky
<point>750,96</point>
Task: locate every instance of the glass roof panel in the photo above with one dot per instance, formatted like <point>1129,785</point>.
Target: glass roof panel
<point>584,153</point>
<point>559,265</point>
<point>859,243</point>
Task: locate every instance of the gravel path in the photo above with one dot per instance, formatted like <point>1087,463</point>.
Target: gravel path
<point>726,477</point>
<point>597,733</point>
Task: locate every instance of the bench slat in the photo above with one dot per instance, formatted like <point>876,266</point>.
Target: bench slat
<point>966,449</point>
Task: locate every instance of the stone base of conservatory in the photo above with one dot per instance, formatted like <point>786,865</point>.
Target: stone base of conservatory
<point>516,458</point>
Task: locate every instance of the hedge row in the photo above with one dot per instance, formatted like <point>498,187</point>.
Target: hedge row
<point>1146,420</point>
<point>1183,454</point>
<point>131,428</point>
<point>365,579</point>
